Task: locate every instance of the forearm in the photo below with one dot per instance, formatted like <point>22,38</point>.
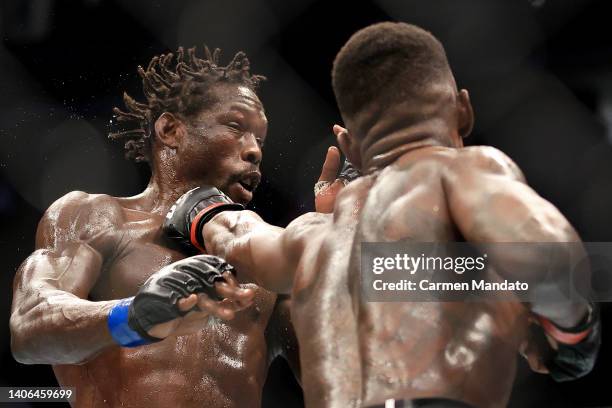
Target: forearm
<point>51,320</point>
<point>526,238</point>
<point>221,236</point>
<point>207,220</point>
<point>252,246</point>
<point>56,327</point>
<point>562,296</point>
<point>550,258</point>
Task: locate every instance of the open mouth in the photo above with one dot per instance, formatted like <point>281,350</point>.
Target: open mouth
<point>250,181</point>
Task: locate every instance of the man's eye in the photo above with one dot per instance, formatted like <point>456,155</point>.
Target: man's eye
<point>235,125</point>
<point>260,142</point>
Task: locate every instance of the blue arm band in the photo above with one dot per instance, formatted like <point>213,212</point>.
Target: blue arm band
<point>118,326</point>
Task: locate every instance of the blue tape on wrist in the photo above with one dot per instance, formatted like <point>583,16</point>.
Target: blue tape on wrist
<point>118,326</point>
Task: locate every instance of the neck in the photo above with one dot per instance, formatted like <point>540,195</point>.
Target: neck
<point>164,188</point>
<point>160,195</point>
<point>416,122</point>
<point>379,151</point>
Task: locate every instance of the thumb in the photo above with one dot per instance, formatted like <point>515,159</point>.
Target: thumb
<point>331,166</point>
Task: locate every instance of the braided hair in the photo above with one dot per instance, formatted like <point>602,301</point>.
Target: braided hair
<point>181,86</point>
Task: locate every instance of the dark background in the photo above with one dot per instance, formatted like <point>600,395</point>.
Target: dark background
<point>539,74</point>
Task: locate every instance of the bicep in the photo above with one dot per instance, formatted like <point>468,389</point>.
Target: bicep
<point>73,268</point>
<point>62,261</point>
<point>55,276</point>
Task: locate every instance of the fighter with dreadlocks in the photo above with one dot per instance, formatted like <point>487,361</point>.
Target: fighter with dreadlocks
<point>114,305</point>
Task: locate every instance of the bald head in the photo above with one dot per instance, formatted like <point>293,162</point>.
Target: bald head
<point>385,63</point>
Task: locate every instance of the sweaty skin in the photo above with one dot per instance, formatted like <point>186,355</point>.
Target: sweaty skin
<point>93,249</point>
<point>358,353</point>
<point>420,184</point>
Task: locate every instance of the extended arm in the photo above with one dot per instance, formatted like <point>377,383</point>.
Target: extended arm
<point>267,253</point>
<point>207,220</point>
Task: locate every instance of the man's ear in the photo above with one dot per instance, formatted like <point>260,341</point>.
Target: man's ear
<point>349,146</point>
<point>169,130</point>
<point>465,114</point>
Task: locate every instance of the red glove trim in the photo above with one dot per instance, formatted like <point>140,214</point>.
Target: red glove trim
<point>563,337</point>
<point>194,226</point>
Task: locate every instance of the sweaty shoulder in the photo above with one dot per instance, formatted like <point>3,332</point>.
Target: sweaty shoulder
<point>77,216</point>
<point>485,159</point>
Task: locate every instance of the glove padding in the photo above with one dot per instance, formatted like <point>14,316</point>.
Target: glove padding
<point>191,211</point>
<point>572,361</point>
<point>157,299</point>
<point>576,360</point>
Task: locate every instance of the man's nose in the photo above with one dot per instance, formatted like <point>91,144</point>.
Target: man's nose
<point>251,151</point>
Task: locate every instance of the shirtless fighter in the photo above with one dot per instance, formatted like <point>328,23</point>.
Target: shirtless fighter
<point>405,122</point>
<point>201,124</point>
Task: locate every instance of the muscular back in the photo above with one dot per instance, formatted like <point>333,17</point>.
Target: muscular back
<point>402,350</point>
<point>96,248</point>
<point>451,349</point>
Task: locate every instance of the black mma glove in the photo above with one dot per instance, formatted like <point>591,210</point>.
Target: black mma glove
<point>348,172</point>
<point>157,300</point>
<point>578,347</point>
<point>195,208</point>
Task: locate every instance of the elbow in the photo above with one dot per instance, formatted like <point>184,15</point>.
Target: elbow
<point>19,354</point>
<point>19,344</point>
<point>27,352</point>
<point>548,225</point>
<point>26,346</point>
<point>549,236</point>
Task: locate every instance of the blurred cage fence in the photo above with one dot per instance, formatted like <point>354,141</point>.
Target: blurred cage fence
<point>539,74</point>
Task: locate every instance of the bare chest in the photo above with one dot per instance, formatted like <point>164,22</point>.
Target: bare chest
<point>132,252</point>
<point>136,249</point>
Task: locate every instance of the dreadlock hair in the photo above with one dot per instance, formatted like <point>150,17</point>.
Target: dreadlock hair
<point>385,62</point>
<point>182,87</point>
